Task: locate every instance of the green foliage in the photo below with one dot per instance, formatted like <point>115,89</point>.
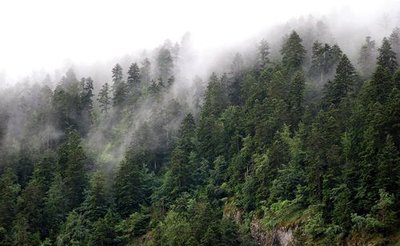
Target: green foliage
<point>131,184</point>
<point>263,143</point>
<point>74,231</point>
<point>293,53</point>
<point>72,163</point>
<point>387,57</point>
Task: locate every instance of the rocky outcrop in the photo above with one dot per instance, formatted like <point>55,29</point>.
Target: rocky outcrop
<point>276,237</point>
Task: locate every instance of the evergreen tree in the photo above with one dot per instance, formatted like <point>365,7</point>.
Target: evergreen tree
<point>133,81</point>
<point>74,231</point>
<point>263,55</point>
<point>394,40</point>
<point>119,86</point>
<point>72,162</point>
<point>164,64</point>
<point>367,58</point>
<point>235,80</point>
<point>104,98</point>
<point>86,105</point>
<point>293,53</point>
<point>131,188</point>
<point>388,177</point>
<point>9,191</point>
<point>386,57</point>
<point>103,232</point>
<point>324,60</point>
<point>296,98</point>
<point>98,198</point>
<point>145,70</point>
<point>56,204</point>
<point>343,84</point>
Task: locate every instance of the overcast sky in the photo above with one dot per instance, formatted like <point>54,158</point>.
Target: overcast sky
<point>43,34</point>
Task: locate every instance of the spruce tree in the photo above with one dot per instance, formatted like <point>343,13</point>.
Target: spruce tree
<point>395,42</point>
<point>263,55</point>
<point>367,58</point>
<point>134,81</point>
<point>104,98</point>
<point>343,84</point>
<point>293,53</point>
<point>119,86</point>
<point>387,57</point>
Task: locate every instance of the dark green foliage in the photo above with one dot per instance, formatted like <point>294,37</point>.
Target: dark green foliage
<point>394,40</point>
<point>72,164</point>
<point>296,98</point>
<point>131,188</point>
<point>104,98</point>
<point>55,205</point>
<point>235,81</point>
<point>293,53</point>
<point>74,231</point>
<point>103,232</point>
<point>9,191</point>
<point>98,198</point>
<point>387,57</point>
<point>343,84</point>
<point>133,83</point>
<point>263,55</point>
<point>119,86</point>
<point>263,151</point>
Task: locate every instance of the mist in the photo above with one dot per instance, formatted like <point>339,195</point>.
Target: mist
<point>102,34</point>
<point>46,36</point>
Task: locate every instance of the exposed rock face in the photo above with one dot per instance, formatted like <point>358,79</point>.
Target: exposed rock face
<point>280,236</point>
<point>277,237</point>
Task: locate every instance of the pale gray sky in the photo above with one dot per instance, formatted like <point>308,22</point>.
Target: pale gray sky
<point>43,34</point>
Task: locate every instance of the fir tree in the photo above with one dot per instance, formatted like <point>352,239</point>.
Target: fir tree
<point>104,98</point>
<point>293,53</point>
<point>386,57</point>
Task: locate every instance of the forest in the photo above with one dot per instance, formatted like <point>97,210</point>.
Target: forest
<point>293,144</point>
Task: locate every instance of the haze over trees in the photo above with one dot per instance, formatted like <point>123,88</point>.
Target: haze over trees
<point>306,142</point>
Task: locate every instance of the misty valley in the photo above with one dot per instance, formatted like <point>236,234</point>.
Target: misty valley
<point>293,139</point>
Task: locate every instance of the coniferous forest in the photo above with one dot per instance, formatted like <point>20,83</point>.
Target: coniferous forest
<point>291,145</point>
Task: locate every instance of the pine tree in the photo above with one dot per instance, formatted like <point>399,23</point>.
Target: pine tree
<point>367,58</point>
<point>22,236</point>
<point>388,177</point>
<point>381,84</point>
<point>145,70</point>
<point>131,188</point>
<point>343,84</point>
<point>9,190</point>
<point>293,53</point>
<point>56,204</point>
<point>262,55</point>
<point>216,100</point>
<point>119,86</point>
<point>324,60</point>
<point>103,232</point>
<point>72,162</point>
<point>98,198</point>
<point>133,81</point>
<point>386,57</point>
<point>86,105</point>
<point>296,98</point>
<point>104,98</point>
<point>165,64</point>
<point>395,42</point>
<point>235,81</point>
<point>74,231</point>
